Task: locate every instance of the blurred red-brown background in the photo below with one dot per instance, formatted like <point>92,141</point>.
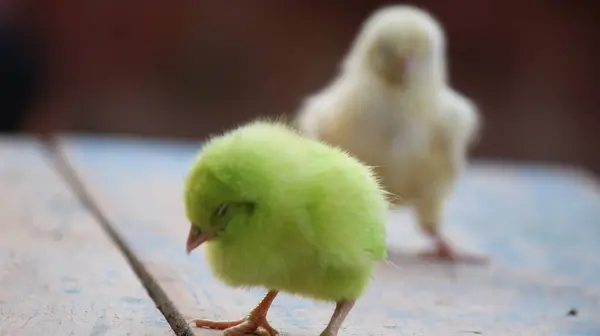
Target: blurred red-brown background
<point>190,68</point>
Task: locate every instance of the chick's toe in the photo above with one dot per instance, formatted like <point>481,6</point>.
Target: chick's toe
<point>253,323</point>
<point>444,252</point>
<point>248,325</point>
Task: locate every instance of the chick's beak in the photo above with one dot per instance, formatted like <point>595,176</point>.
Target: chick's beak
<point>196,238</point>
<point>406,65</point>
<point>411,65</point>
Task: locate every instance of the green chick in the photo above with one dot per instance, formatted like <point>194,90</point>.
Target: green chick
<point>280,211</point>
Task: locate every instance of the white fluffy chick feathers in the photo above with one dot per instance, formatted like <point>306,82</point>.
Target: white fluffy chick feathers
<point>392,107</point>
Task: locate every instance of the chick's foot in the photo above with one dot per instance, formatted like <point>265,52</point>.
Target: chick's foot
<point>248,325</point>
<point>443,252</point>
<point>255,322</point>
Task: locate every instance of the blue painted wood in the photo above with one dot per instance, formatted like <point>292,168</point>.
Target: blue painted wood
<point>539,224</point>
<point>59,273</point>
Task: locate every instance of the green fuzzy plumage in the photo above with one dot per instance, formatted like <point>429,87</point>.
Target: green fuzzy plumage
<point>302,217</point>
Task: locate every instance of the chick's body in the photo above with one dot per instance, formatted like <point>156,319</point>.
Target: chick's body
<point>392,107</point>
<point>415,158</point>
<point>310,220</point>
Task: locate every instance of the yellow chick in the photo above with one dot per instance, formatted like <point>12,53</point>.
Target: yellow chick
<point>392,107</point>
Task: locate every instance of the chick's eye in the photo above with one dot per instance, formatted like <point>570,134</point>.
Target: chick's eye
<point>222,210</point>
<point>196,231</point>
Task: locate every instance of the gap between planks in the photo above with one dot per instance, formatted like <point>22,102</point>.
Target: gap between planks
<point>177,322</point>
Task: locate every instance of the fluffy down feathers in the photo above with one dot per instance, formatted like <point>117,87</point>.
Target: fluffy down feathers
<point>391,107</point>
<point>289,213</point>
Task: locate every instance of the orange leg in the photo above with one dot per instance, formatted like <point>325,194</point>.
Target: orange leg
<point>429,214</point>
<point>249,324</point>
<point>342,310</point>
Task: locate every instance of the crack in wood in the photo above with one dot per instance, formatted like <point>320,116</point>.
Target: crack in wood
<point>158,295</point>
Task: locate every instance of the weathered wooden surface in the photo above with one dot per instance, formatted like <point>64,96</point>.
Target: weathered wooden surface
<point>541,226</point>
<point>59,273</point>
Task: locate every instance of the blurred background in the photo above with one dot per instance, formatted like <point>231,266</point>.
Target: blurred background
<point>184,69</point>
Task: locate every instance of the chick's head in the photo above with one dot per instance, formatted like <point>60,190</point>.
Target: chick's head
<point>399,43</point>
<point>219,197</point>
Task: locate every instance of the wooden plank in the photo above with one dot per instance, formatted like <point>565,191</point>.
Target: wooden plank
<point>59,273</point>
<point>540,225</point>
